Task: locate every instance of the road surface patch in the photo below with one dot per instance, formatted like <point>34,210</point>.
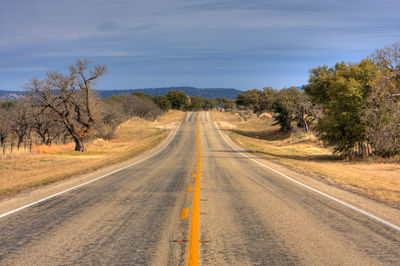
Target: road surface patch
<point>90,181</point>
<point>376,218</point>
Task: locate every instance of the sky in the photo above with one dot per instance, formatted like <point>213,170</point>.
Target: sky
<point>242,44</point>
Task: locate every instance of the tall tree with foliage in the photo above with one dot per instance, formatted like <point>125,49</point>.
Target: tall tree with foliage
<point>342,91</point>
<point>142,95</point>
<point>289,105</point>
<point>162,102</point>
<point>251,99</point>
<point>282,111</point>
<point>196,103</point>
<point>178,99</point>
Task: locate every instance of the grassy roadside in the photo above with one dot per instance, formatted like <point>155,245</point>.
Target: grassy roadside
<point>50,164</point>
<point>378,178</point>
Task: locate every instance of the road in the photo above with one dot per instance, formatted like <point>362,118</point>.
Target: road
<point>248,215</point>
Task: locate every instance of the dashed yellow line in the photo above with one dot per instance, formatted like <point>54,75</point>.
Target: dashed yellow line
<point>195,230</point>
<point>185,213</point>
<point>190,188</point>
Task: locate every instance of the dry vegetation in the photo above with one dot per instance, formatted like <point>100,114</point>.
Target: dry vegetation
<point>47,164</point>
<point>376,178</point>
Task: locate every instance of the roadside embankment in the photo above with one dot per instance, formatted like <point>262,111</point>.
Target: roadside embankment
<point>50,164</point>
<point>375,178</point>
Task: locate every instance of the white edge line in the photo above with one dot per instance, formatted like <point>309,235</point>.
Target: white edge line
<point>90,181</point>
<point>395,227</point>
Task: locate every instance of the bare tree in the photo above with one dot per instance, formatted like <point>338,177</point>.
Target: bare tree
<point>21,123</point>
<point>388,59</point>
<point>5,125</point>
<point>141,107</point>
<point>112,114</point>
<point>71,98</point>
<point>382,108</point>
<point>46,125</point>
<point>305,112</point>
<point>382,116</point>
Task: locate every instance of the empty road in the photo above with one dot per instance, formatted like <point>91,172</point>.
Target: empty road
<point>247,215</point>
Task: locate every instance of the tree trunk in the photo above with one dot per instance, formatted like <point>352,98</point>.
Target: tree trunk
<point>79,145</point>
<point>43,138</point>
<point>20,140</point>
<point>287,127</point>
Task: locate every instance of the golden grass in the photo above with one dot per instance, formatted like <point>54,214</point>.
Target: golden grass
<point>379,179</point>
<point>52,148</point>
<point>47,164</point>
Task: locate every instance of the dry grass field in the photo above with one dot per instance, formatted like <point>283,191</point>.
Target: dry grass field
<point>376,178</point>
<point>46,164</point>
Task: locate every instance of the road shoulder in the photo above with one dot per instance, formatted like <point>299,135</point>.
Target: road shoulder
<point>379,209</point>
<point>38,193</point>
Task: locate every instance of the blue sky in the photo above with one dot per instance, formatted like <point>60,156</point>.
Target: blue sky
<point>241,44</point>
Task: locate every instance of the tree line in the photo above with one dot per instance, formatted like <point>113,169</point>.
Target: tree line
<point>354,108</point>
<point>64,107</point>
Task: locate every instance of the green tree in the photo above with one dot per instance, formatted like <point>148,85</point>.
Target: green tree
<point>286,108</point>
<point>209,104</point>
<point>259,101</point>
<point>342,91</point>
<point>227,104</point>
<point>179,100</point>
<point>196,103</point>
<point>251,99</point>
<point>162,102</point>
<point>8,104</point>
<point>142,95</point>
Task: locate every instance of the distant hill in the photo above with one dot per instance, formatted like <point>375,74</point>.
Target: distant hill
<point>11,95</point>
<point>191,91</point>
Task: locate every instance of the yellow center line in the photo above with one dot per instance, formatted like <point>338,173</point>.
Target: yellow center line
<point>195,230</point>
<point>190,188</point>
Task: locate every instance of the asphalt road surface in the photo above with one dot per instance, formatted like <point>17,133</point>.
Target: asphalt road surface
<point>143,215</point>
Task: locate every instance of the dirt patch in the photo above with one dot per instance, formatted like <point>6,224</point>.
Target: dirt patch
<point>229,126</point>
